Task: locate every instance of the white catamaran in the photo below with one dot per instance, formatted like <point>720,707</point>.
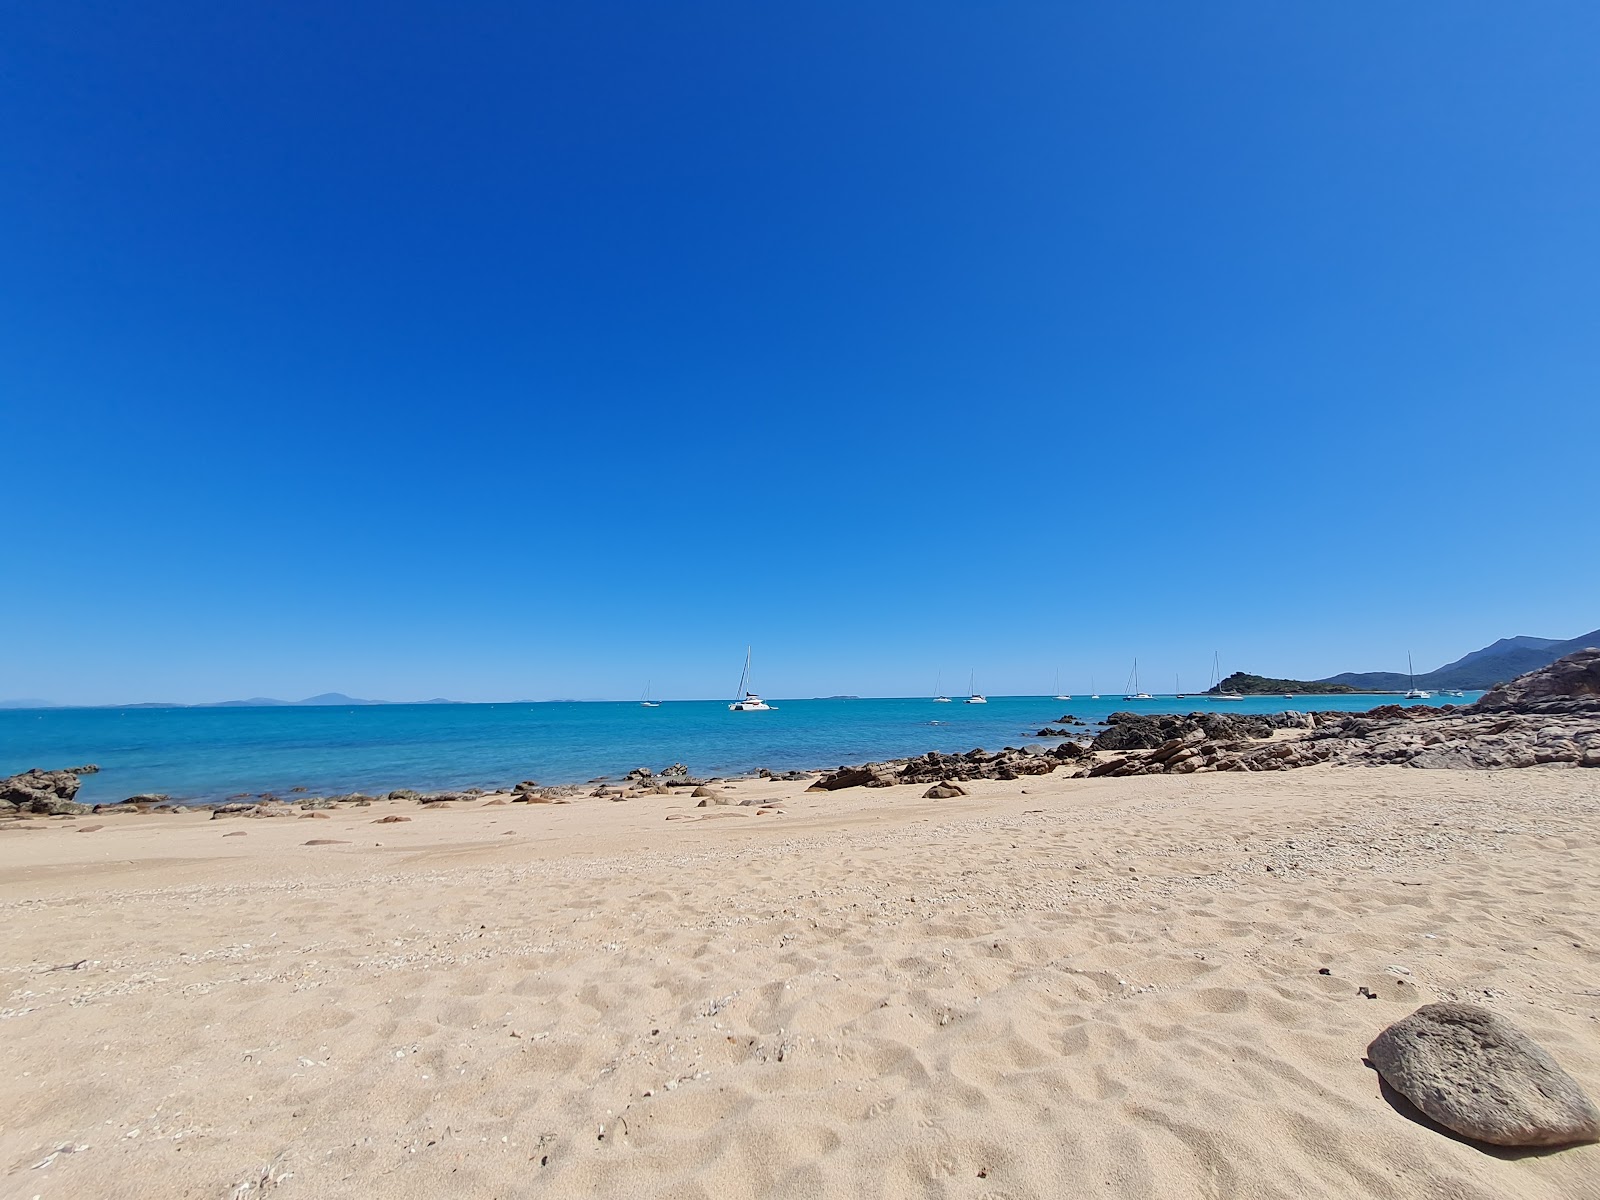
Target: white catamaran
<point>974,698</point>
<point>938,696</point>
<point>1414,693</point>
<point>748,701</point>
<point>1060,695</point>
<point>645,701</point>
<point>1133,692</point>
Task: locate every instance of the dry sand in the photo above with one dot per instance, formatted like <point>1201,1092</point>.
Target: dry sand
<point>1051,988</point>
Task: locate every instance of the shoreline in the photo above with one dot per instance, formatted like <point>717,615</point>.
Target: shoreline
<point>491,782</point>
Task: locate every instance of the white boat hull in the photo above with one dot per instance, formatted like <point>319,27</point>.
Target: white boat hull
<point>977,700</point>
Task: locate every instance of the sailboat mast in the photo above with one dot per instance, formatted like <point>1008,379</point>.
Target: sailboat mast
<point>743,675</point>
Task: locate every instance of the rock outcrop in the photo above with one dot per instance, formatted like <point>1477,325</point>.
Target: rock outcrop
<point>1575,678</point>
<point>1550,717</point>
<point>47,792</point>
<point>935,767</point>
<point>1476,1073</point>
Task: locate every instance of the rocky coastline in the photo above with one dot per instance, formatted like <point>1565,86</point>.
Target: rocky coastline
<point>1548,717</point>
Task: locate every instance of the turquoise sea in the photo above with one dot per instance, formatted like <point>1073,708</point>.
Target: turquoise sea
<point>204,754</point>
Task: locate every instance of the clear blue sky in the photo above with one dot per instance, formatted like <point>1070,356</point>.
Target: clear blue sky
<point>532,350</point>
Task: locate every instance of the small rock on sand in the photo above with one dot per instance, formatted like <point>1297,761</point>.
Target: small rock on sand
<point>391,819</point>
<point>1476,1073</point>
<point>944,791</point>
<point>89,828</point>
<point>327,842</point>
<point>313,816</point>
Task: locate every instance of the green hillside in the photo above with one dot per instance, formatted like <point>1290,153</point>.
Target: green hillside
<point>1260,685</point>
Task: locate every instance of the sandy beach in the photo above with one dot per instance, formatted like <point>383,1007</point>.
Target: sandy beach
<point>1051,987</point>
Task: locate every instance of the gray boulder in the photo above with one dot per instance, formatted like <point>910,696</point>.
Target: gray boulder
<point>845,777</point>
<point>232,810</point>
<point>444,797</point>
<point>1476,1073</point>
<point>48,792</point>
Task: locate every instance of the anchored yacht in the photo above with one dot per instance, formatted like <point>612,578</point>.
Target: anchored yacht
<point>749,701</point>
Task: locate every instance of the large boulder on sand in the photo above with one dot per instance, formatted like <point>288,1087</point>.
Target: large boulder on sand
<point>844,777</point>
<point>49,792</point>
<point>1577,674</point>
<point>1476,1073</point>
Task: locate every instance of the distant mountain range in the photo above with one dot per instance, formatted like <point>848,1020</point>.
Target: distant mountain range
<point>1496,663</point>
<point>325,700</point>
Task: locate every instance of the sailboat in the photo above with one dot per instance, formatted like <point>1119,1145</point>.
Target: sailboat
<point>974,698</point>
<point>645,701</point>
<point>1094,692</point>
<point>1216,681</point>
<point>748,701</point>
<point>1133,686</point>
<point>1059,694</point>
<point>938,696</point>
<point>1414,693</point>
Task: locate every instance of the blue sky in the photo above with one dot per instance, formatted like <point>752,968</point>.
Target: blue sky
<point>540,350</point>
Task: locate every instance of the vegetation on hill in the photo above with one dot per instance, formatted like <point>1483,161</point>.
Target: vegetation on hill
<point>1260,685</point>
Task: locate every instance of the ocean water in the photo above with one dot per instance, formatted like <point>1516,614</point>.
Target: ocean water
<point>205,754</point>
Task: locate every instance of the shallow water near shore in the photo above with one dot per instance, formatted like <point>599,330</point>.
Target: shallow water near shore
<point>205,754</point>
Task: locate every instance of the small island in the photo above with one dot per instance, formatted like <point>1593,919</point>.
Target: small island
<point>1260,685</point>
